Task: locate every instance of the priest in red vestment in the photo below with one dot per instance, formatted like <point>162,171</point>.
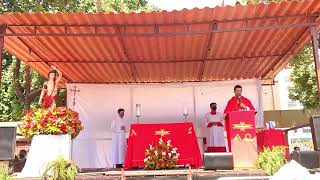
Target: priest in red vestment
<point>238,102</point>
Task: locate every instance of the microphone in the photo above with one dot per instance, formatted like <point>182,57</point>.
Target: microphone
<point>239,101</point>
<point>238,97</point>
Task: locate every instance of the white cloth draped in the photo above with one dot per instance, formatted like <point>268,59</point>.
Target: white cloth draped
<point>43,150</point>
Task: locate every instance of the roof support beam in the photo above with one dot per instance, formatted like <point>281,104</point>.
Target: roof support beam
<point>95,33</point>
<point>88,61</point>
<point>311,20</point>
<point>133,69</point>
<point>213,26</point>
<point>2,32</point>
<point>315,48</point>
<point>41,59</point>
<point>286,53</point>
<point>172,24</point>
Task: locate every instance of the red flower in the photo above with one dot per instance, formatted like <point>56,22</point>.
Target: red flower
<point>29,113</point>
<point>64,129</point>
<point>43,123</point>
<point>72,131</point>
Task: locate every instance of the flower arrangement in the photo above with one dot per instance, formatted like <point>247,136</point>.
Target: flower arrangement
<point>161,156</point>
<point>58,121</point>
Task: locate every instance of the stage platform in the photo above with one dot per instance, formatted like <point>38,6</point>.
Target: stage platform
<point>177,174</point>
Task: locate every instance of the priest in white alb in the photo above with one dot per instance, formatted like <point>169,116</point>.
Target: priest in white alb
<point>118,140</point>
<point>214,125</point>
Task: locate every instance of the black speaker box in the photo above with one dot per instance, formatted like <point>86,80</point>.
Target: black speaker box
<point>7,143</point>
<point>315,130</point>
<point>309,159</point>
<point>218,161</point>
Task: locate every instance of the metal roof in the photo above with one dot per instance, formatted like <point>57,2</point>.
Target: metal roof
<point>221,43</point>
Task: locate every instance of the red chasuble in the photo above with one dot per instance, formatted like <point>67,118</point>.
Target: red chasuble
<point>233,104</point>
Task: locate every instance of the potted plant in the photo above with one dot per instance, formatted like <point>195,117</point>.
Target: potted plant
<point>61,169</point>
<point>4,173</point>
<point>271,159</point>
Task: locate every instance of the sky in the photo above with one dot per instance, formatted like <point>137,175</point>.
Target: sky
<point>170,5</point>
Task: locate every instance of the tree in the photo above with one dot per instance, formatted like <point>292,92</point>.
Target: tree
<point>20,89</point>
<point>10,105</point>
<point>24,93</point>
<point>303,77</point>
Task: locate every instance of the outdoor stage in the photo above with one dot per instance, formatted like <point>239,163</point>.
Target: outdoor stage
<point>162,61</point>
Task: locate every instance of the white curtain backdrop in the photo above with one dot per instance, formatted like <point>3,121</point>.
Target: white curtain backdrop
<point>160,103</point>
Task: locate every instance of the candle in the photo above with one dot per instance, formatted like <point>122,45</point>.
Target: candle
<point>185,110</point>
<point>138,109</point>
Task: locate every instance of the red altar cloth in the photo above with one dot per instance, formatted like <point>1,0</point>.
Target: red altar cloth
<point>269,138</point>
<point>182,136</point>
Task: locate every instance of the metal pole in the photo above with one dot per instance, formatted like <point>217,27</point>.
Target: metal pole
<point>315,49</point>
<point>2,32</point>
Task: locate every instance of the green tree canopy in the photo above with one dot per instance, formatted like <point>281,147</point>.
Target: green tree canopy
<point>303,77</point>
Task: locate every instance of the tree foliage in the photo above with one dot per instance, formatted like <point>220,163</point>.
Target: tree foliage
<point>21,85</point>
<point>10,105</point>
<point>75,6</point>
<point>303,77</point>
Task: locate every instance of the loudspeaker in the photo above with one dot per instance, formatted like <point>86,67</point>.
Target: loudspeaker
<point>309,159</point>
<point>315,130</point>
<point>7,143</point>
<point>221,160</point>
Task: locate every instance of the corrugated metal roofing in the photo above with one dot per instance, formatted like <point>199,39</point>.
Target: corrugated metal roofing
<point>207,44</point>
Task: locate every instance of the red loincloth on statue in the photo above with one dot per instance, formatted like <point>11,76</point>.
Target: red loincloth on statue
<point>48,100</point>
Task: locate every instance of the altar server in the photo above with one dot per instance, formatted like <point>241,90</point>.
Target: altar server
<point>213,122</point>
<point>118,140</point>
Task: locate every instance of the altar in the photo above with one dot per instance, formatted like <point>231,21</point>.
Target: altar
<point>181,135</point>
